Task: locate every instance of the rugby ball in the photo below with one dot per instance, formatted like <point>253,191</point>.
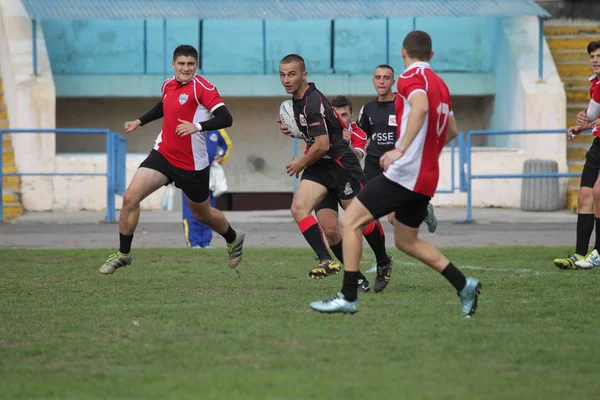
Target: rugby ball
<point>286,116</point>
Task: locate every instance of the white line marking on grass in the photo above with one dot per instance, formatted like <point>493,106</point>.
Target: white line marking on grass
<point>519,271</point>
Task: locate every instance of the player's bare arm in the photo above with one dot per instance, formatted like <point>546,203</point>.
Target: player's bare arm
<point>221,119</point>
<point>575,130</point>
<point>582,117</point>
<point>131,126</point>
<point>419,106</point>
<point>347,136</point>
<point>315,153</point>
<point>358,153</point>
<point>284,129</point>
<point>452,131</point>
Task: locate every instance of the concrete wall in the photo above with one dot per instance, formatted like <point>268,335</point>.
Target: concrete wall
<point>254,133</point>
<point>30,101</point>
<point>237,46</point>
<point>75,193</point>
<point>523,101</point>
<point>127,57</point>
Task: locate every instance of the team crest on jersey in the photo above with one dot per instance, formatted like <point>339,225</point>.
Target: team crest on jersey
<point>213,137</point>
<point>348,189</point>
<point>303,120</point>
<point>392,120</point>
<point>183,98</point>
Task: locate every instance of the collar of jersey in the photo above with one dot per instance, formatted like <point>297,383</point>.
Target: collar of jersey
<point>184,83</point>
<point>422,64</point>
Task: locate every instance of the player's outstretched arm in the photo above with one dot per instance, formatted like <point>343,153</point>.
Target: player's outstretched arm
<point>153,114</point>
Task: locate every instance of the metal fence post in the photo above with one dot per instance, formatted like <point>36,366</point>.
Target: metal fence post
<point>1,177</point>
<point>461,161</point>
<point>452,148</point>
<point>110,178</point>
<point>295,154</point>
<point>469,188</point>
<point>34,46</point>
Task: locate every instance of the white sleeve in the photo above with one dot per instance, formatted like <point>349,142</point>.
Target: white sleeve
<point>593,111</point>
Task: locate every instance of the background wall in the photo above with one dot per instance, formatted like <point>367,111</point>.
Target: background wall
<point>136,46</point>
<point>254,133</point>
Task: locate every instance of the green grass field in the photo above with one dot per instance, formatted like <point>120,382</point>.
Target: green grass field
<point>179,324</point>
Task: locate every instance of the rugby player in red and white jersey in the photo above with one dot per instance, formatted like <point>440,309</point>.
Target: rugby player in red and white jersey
<point>377,118</point>
<point>410,178</point>
<point>588,203</point>
<point>179,156</point>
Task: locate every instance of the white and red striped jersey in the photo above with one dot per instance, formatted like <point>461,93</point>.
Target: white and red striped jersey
<point>358,138</point>
<point>418,169</point>
<point>192,101</point>
<point>593,108</point>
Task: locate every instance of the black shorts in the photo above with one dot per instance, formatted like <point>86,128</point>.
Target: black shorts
<point>589,175</point>
<point>593,155</point>
<point>382,196</point>
<point>329,202</point>
<point>372,168</point>
<point>344,183</point>
<point>193,183</point>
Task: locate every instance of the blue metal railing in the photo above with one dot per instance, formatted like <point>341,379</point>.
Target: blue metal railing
<point>116,150</point>
<point>459,139</point>
<point>466,167</point>
<point>295,154</point>
<point>457,142</point>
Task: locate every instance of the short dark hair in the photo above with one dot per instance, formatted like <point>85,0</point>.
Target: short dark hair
<point>418,45</point>
<point>290,58</point>
<point>185,50</point>
<point>341,101</point>
<point>593,46</point>
<point>386,66</point>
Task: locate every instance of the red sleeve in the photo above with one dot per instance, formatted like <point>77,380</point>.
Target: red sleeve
<point>163,88</point>
<point>358,139</point>
<point>207,94</point>
<point>595,92</point>
<point>411,81</point>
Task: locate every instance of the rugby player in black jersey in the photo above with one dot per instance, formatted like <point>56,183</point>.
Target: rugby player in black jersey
<point>329,164</point>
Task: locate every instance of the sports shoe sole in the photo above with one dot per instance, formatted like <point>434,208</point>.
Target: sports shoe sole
<point>333,312</point>
<point>235,261</point>
<point>320,273</point>
<point>565,267</point>
<point>432,222</point>
<point>475,302</point>
<point>112,270</point>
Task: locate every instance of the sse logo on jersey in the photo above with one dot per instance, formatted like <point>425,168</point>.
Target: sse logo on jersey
<point>384,137</point>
